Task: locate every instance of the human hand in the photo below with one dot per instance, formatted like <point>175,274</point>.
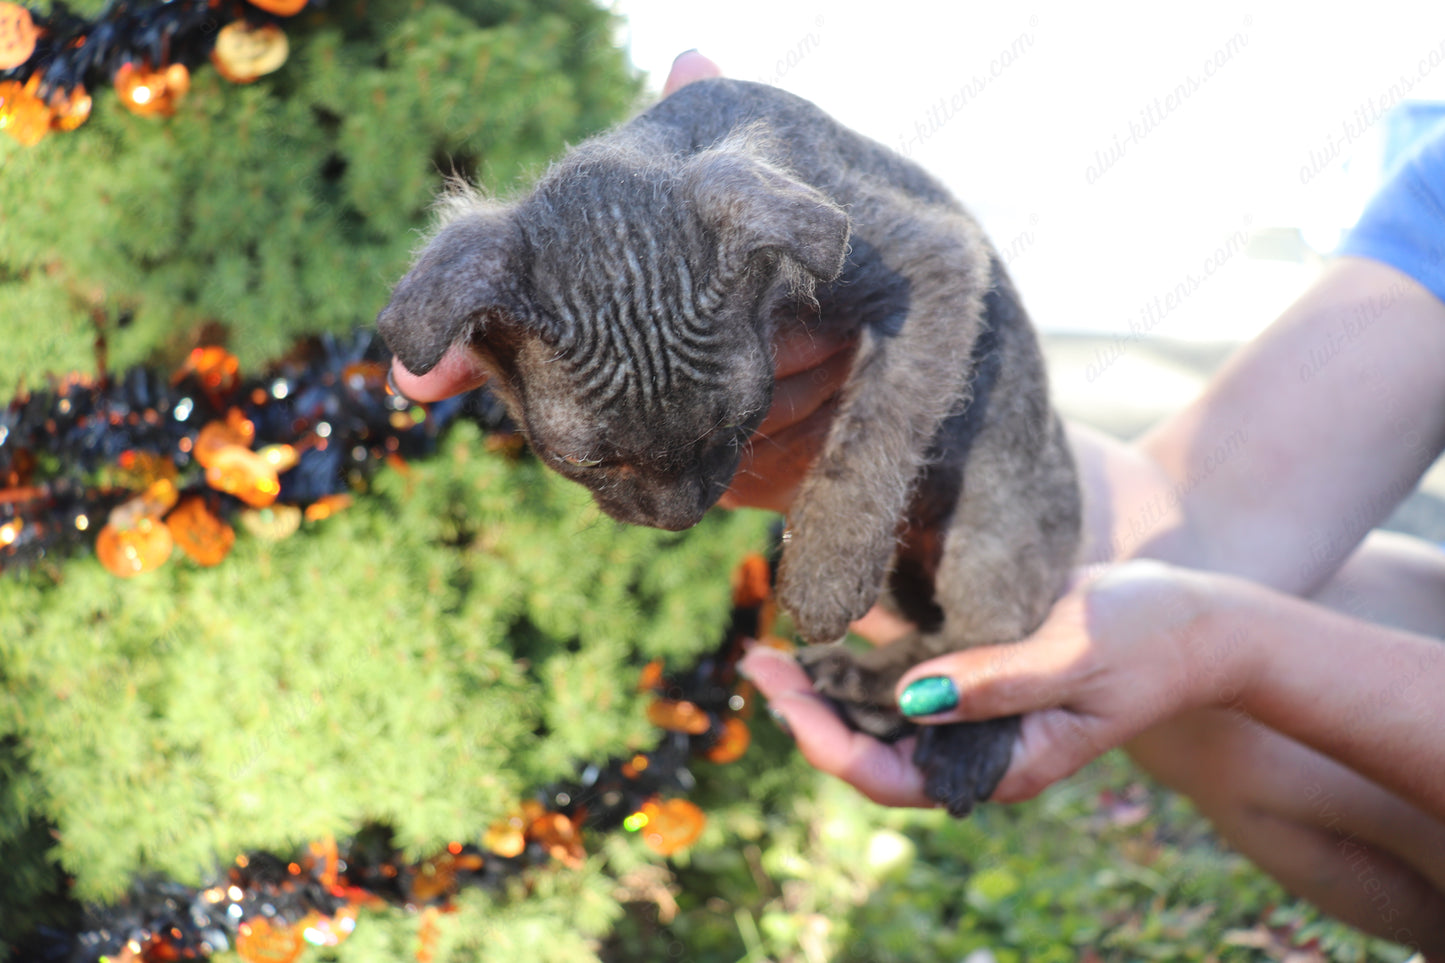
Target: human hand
<point>1118,653</point>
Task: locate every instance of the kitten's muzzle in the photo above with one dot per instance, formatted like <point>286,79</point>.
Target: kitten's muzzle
<point>670,501</point>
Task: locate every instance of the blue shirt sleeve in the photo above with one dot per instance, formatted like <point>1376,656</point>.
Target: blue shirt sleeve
<point>1404,225</point>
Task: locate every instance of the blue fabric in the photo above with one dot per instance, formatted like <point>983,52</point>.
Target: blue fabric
<point>1404,225</point>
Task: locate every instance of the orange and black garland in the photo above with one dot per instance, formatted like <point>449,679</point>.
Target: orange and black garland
<point>157,464</point>
<point>50,62</point>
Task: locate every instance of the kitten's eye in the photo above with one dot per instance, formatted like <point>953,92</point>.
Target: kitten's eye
<point>577,461</point>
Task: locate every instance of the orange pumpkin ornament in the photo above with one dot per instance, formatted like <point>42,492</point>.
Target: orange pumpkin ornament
<point>158,498</point>
<point>326,506</point>
<point>17,35</point>
<point>23,115</point>
<point>244,52</point>
<point>69,109</point>
<point>676,715</point>
<point>671,826</point>
<point>218,369</point>
<point>272,524</point>
<point>506,837</point>
<point>752,581</point>
<point>560,836</point>
<point>131,551</point>
<point>733,742</point>
<point>258,940</point>
<point>281,8</point>
<point>199,533</point>
<point>244,473</point>
<point>145,91</point>
<point>235,432</point>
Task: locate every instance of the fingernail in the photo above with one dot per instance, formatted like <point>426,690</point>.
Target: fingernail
<point>924,697</point>
<point>391,384</point>
<point>690,50</point>
<point>781,721</point>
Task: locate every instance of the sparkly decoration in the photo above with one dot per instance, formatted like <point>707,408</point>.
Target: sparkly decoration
<point>69,108</point>
<point>752,581</point>
<point>17,35</point>
<point>506,837</point>
<point>272,524</point>
<point>146,50</point>
<point>147,91</point>
<point>23,115</point>
<point>671,826</point>
<point>219,371</point>
<point>158,498</point>
<point>217,436</point>
<point>678,716</point>
<point>131,551</point>
<point>200,533</point>
<point>558,835</point>
<point>245,52</point>
<point>437,877</point>
<point>244,473</point>
<point>281,8</point>
<point>733,742</point>
<point>261,941</point>
<point>140,469</point>
<point>327,506</point>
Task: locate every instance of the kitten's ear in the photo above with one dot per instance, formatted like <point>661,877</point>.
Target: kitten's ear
<point>463,279</point>
<point>755,206</point>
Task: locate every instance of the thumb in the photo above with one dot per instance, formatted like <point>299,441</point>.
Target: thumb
<point>992,681</point>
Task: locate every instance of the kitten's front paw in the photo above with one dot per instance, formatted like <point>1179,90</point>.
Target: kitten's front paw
<point>962,762</point>
<point>825,583</point>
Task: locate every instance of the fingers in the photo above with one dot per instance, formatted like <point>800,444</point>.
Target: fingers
<point>1053,744</point>
<point>883,773</point>
<point>1040,672</point>
<point>457,371</point>
<point>689,66</point>
<point>812,367</point>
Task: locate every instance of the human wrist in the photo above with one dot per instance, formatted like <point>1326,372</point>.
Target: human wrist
<point>1226,651</point>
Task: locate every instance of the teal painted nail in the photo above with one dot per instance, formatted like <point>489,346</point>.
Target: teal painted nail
<point>924,697</point>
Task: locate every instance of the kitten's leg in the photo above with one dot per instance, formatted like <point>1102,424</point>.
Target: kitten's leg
<point>845,519</point>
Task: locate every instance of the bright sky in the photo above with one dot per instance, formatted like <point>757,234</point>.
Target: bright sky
<point>1114,153</point>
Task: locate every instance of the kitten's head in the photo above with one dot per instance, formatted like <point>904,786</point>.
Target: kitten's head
<point>624,310</point>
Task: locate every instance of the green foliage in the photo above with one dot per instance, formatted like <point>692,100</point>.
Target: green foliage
<point>291,204</point>
<point>466,632</point>
<point>823,875</point>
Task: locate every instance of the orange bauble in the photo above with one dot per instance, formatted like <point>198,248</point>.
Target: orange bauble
<point>281,8</point>
<point>672,825</point>
<point>244,473</point>
<point>17,35</point>
<point>199,533</point>
<point>23,115</point>
<point>146,91</point>
<point>259,941</point>
<point>244,52</point>
<point>732,743</point>
<point>131,551</point>
<point>676,715</point>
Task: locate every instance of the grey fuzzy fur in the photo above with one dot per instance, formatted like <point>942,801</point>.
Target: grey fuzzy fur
<point>625,309</point>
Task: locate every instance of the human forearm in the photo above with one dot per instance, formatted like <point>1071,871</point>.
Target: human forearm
<point>1359,693</point>
<point>1305,441</point>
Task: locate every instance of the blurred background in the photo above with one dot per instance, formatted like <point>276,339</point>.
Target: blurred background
<point>1110,150</point>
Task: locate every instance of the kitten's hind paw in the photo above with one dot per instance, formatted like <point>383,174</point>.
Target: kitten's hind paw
<point>853,688</point>
<point>962,762</point>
